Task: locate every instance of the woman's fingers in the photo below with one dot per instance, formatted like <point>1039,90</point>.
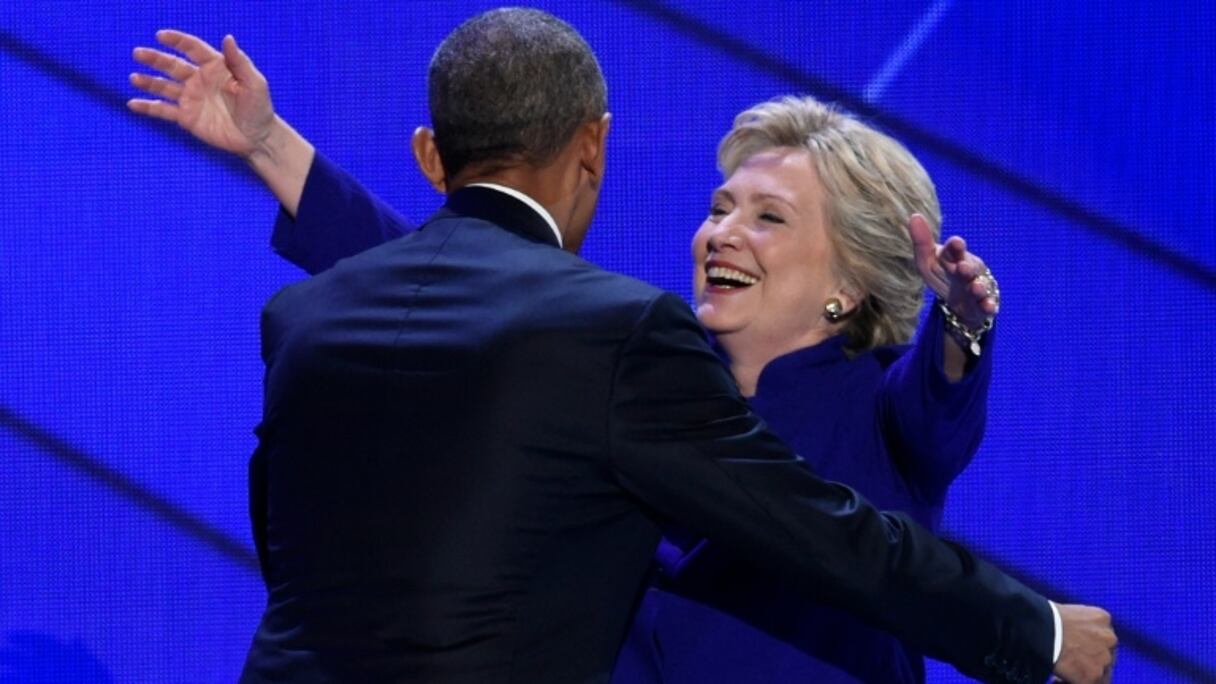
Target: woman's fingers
<point>953,272</point>
<point>239,64</point>
<point>954,249</point>
<point>161,87</point>
<point>157,109</point>
<point>193,47</point>
<point>923,247</point>
<point>169,65</point>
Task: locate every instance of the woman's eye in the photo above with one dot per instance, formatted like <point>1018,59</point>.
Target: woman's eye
<point>717,210</point>
<point>771,217</point>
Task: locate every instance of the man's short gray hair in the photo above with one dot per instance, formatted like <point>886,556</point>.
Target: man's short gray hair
<point>511,86</point>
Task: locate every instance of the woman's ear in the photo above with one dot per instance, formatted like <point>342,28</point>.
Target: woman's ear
<point>426,153</point>
<point>850,297</point>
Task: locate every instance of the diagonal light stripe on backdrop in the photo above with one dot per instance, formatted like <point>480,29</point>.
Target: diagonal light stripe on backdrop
<point>904,51</point>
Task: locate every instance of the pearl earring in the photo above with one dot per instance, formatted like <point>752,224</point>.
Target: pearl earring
<point>833,310</point>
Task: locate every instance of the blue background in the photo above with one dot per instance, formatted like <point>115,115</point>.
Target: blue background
<point>1073,144</point>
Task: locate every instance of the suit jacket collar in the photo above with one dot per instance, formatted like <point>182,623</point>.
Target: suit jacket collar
<point>503,210</point>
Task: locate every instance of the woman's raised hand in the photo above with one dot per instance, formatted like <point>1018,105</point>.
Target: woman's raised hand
<point>220,97</point>
<point>959,278</point>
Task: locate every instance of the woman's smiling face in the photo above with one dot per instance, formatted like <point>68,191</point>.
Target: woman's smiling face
<point>763,262</point>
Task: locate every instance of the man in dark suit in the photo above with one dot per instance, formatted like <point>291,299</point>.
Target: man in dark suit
<point>471,436</point>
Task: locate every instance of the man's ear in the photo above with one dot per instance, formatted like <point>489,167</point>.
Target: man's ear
<point>426,153</point>
<point>595,137</point>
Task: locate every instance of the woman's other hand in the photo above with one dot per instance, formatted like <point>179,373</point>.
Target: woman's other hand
<point>958,277</point>
<point>219,97</point>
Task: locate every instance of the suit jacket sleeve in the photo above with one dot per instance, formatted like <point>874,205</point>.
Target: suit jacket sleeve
<point>337,218</point>
<point>259,483</point>
<point>933,426</point>
<point>684,442</point>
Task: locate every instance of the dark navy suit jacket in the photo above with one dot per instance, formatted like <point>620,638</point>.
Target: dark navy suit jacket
<point>471,437</point>
<point>887,422</point>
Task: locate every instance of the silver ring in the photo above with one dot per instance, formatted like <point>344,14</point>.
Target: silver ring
<point>991,288</point>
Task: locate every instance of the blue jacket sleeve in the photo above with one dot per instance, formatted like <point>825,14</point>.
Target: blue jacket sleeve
<point>932,426</point>
<point>337,218</point>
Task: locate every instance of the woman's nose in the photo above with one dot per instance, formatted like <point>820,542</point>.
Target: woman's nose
<point>725,236</point>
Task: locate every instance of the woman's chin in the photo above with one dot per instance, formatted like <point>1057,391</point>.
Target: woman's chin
<point>715,320</point>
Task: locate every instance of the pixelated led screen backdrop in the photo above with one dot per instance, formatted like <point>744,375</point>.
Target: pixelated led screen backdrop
<point>1073,144</point>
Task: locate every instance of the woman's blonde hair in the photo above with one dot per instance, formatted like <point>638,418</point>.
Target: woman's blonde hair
<point>873,186</point>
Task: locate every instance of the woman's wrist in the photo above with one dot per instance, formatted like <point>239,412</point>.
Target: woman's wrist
<point>967,336</point>
<point>967,331</point>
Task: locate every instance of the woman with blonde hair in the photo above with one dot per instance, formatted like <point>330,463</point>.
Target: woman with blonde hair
<point>810,272</point>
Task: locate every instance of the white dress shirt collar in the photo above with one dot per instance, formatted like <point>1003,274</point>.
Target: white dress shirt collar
<point>526,200</point>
